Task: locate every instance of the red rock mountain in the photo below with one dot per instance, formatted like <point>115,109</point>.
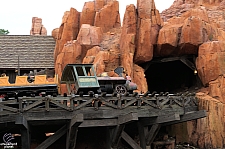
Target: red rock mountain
<point>188,27</point>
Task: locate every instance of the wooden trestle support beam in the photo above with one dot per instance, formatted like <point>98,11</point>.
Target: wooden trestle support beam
<point>149,111</point>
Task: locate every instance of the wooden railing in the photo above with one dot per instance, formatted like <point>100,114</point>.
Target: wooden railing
<point>111,101</point>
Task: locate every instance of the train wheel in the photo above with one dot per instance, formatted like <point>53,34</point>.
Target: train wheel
<point>120,89</point>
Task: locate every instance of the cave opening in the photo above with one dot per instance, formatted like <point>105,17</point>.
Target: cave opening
<point>172,75</point>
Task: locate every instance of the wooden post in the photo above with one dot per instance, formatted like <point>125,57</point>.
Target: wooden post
<point>141,130</point>
<point>49,141</point>
<point>152,134</point>
<point>24,129</point>
<point>72,131</point>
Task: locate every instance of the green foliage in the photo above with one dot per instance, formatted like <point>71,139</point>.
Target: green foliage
<point>4,32</point>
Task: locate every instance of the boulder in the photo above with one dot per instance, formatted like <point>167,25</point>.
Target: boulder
<point>37,27</point>
<point>55,33</point>
<point>127,39</point>
<point>108,17</point>
<point>210,61</point>
<point>68,30</point>
<point>87,15</point>
<point>89,35</point>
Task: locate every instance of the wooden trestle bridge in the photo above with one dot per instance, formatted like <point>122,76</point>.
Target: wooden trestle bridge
<point>150,111</point>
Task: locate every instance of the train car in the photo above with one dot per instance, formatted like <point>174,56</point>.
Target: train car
<point>23,86</point>
<point>81,79</point>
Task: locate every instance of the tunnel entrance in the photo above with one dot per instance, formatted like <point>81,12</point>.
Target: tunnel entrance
<point>172,75</point>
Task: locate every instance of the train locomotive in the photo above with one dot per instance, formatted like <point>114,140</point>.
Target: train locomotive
<point>79,78</point>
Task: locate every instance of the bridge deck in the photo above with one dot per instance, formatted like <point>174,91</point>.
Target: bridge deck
<point>103,110</point>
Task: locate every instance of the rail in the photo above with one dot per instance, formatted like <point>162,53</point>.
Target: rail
<point>110,101</point>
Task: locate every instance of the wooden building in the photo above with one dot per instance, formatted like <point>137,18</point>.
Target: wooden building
<point>21,54</point>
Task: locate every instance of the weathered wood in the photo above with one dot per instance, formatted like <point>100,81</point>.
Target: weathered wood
<point>188,63</point>
<point>99,123</point>
<point>49,141</point>
<point>129,103</point>
<point>47,104</point>
<point>189,116</point>
<point>8,108</point>
<point>161,119</point>
<point>167,118</point>
<point>109,138</point>
<point>32,105</point>
<point>130,141</point>
<point>152,134</point>
<point>117,135</point>
<point>72,131</point>
<point>21,120</point>
<point>25,138</point>
<point>64,106</point>
<point>83,104</point>
<point>127,118</point>
<point>141,131</point>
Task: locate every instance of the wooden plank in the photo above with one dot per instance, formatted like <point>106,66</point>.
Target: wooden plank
<point>49,141</point>
<point>25,138</point>
<point>161,119</point>
<point>32,105</point>
<point>21,120</point>
<point>189,116</point>
<point>64,106</point>
<point>76,120</point>
<point>8,108</point>
<point>167,118</point>
<point>72,132</point>
<point>83,104</point>
<point>141,131</point>
<point>188,63</point>
<point>117,135</point>
<point>99,123</point>
<point>127,118</point>
<point>130,141</point>
<point>152,134</point>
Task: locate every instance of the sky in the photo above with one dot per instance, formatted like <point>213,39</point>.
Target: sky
<point>16,15</point>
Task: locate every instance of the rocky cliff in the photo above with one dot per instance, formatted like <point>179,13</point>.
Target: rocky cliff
<point>188,27</point>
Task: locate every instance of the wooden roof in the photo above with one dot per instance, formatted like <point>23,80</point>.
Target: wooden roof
<point>33,51</point>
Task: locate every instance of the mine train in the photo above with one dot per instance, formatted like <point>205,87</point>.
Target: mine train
<point>80,79</point>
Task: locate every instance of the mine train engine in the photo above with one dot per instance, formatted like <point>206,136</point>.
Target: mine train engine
<point>82,79</point>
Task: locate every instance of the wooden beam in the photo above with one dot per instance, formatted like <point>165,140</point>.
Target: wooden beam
<point>24,130</point>
<point>21,120</point>
<point>49,141</point>
<point>189,116</point>
<point>25,138</point>
<point>36,103</point>
<point>99,123</point>
<point>188,63</point>
<point>161,119</point>
<point>127,118</point>
<point>72,131</point>
<point>109,134</point>
<point>117,135</point>
<point>130,141</point>
<point>152,134</point>
<point>141,131</point>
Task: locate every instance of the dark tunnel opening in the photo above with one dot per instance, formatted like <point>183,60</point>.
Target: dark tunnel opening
<point>172,77</point>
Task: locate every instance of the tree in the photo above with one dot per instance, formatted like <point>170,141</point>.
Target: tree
<point>4,32</point>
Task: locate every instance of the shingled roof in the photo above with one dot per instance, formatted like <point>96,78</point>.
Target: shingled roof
<point>33,51</point>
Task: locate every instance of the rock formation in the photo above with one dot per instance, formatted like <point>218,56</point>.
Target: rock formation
<point>188,27</point>
<point>37,28</point>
